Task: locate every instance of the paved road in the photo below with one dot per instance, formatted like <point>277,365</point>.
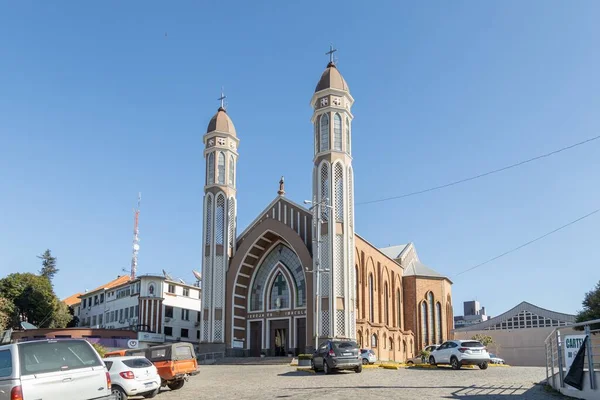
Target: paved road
<point>282,382</point>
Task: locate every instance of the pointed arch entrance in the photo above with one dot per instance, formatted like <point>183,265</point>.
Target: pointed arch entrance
<point>270,294</point>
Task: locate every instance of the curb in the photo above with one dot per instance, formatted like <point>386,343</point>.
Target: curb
<point>303,369</point>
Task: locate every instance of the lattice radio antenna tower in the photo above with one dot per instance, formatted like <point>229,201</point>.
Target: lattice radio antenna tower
<point>136,239</point>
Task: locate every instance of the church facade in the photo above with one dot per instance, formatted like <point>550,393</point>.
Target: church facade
<point>296,275</point>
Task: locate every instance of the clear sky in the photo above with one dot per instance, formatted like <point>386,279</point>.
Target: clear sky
<point>101,101</point>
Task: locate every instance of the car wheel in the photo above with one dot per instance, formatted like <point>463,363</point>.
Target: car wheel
<point>119,393</point>
<point>432,360</point>
<point>176,385</point>
<point>326,367</point>
<point>151,394</point>
<point>455,363</point>
<point>483,365</point>
<point>358,369</point>
<point>365,361</point>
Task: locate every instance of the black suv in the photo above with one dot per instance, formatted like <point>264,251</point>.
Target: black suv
<point>336,355</point>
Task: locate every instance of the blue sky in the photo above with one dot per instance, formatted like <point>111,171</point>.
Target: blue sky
<point>102,101</point>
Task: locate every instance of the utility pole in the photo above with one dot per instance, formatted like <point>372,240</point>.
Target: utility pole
<point>317,221</point>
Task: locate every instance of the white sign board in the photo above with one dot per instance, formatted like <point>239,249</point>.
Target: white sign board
<point>572,344</point>
<point>238,344</point>
<point>151,337</point>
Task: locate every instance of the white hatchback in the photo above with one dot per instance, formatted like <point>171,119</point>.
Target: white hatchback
<point>461,352</point>
<point>132,376</point>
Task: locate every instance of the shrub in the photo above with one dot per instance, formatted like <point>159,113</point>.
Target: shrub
<point>305,357</point>
<point>100,349</point>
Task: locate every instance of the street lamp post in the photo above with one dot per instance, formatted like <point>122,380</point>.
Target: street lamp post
<point>316,210</point>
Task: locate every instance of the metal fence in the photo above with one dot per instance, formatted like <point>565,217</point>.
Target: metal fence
<point>559,351</point>
<point>204,357</point>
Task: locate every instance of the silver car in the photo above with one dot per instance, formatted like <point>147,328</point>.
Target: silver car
<point>53,370</point>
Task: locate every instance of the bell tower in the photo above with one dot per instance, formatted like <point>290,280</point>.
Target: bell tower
<point>218,246</point>
<point>335,313</point>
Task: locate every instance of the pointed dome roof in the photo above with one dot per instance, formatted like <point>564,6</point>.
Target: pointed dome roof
<point>221,122</point>
<point>332,79</point>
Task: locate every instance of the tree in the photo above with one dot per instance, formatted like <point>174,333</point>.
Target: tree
<point>32,297</point>
<point>101,350</point>
<point>74,322</point>
<point>591,308</point>
<point>62,317</point>
<point>6,311</point>
<point>484,339</point>
<point>48,265</point>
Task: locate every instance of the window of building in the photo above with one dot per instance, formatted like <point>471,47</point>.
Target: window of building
<point>198,335</point>
<point>186,292</point>
<point>83,303</point>
<point>94,320</point>
<point>171,288</point>
<point>211,168</point>
<point>317,137</point>
<point>371,300</point>
<point>324,126</point>
<point>424,324</point>
<point>137,311</point>
<point>337,132</point>
<point>101,298</point>
<point>168,311</point>
<point>198,316</point>
<point>348,143</point>
<point>168,331</point>
<point>131,312</point>
<point>120,315</point>
<point>386,304</point>
<point>126,313</point>
<point>100,319</point>
<point>184,333</point>
<point>431,318</point>
<point>221,169</point>
<point>438,322</point>
<point>398,309</point>
<point>185,314</point>
<point>231,171</point>
<point>96,300</point>
<point>374,340</point>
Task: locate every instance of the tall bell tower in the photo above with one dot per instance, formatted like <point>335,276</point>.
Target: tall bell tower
<point>335,314</point>
<point>220,153</point>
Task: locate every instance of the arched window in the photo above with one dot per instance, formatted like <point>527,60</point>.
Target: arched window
<point>337,132</point>
<point>438,322</point>
<point>384,341</point>
<point>316,136</point>
<point>231,171</point>
<point>374,340</point>
<point>398,309</point>
<point>338,174</point>
<point>280,293</point>
<point>357,292</point>
<point>211,168</point>
<point>220,220</point>
<point>221,169</point>
<point>325,191</point>
<point>208,223</point>
<point>324,130</point>
<point>404,347</point>
<point>431,318</point>
<point>424,324</point>
<point>391,343</point>
<point>371,298</point>
<point>386,303</point>
<point>348,143</point>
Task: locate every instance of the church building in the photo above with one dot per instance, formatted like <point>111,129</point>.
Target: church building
<point>300,274</point>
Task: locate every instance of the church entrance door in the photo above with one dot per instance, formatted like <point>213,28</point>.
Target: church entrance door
<point>279,335</point>
<point>255,338</point>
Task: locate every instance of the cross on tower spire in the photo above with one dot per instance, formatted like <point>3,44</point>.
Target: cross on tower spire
<point>330,53</point>
<point>222,99</point>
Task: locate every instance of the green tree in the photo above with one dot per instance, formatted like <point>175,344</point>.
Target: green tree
<point>6,312</point>
<point>61,317</point>
<point>591,307</point>
<point>484,339</point>
<point>32,297</point>
<point>48,265</point>
<point>99,349</point>
<point>74,322</point>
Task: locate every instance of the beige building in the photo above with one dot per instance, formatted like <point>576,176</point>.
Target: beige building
<point>296,276</point>
<point>519,333</point>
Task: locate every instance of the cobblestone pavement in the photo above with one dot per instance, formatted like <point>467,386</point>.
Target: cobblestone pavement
<point>284,382</point>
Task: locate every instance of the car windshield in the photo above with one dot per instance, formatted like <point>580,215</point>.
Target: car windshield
<point>40,357</point>
<point>492,355</point>
<point>137,363</point>
<point>471,344</point>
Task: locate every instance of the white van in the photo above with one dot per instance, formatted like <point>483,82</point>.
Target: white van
<point>53,370</point>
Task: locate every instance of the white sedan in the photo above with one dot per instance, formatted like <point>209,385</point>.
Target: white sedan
<point>132,376</point>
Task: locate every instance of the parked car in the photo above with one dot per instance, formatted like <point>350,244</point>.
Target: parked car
<point>175,362</point>
<point>494,359</point>
<point>421,359</point>
<point>368,356</point>
<point>460,352</point>
<point>53,370</point>
<point>337,355</point>
<point>132,376</point>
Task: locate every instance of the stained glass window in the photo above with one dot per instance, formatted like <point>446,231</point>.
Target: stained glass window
<point>280,293</point>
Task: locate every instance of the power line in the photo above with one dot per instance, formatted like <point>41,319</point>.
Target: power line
<point>480,175</point>
<point>530,242</point>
